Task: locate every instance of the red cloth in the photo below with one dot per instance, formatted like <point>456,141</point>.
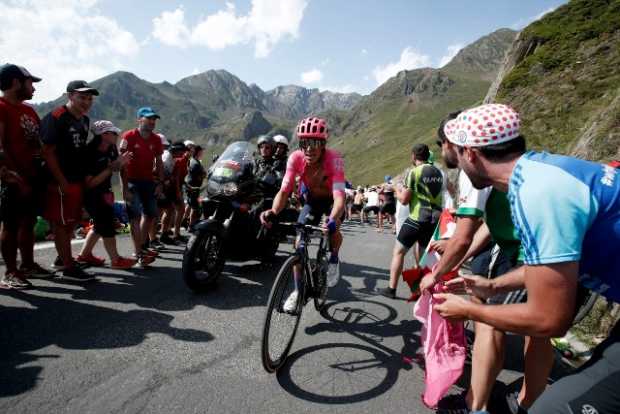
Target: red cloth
<point>144,152</point>
<point>22,136</point>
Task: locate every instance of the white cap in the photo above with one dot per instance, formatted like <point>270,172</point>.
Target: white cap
<point>189,142</point>
<point>101,127</point>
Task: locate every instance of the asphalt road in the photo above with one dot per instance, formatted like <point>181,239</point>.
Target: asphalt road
<point>139,341</point>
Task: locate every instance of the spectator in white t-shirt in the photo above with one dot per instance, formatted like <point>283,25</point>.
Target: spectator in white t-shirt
<point>372,203</point>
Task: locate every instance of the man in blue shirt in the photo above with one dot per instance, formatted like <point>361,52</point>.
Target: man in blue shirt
<point>567,214</point>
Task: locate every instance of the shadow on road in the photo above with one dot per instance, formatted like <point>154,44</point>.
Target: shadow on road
<point>70,324</point>
<point>343,373</point>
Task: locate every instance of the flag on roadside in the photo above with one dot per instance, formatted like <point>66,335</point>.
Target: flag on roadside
<point>445,229</point>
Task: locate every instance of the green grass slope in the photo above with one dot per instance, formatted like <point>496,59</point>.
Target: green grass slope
<point>380,142</point>
<point>567,88</point>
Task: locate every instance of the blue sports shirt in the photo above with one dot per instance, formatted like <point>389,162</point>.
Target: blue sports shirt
<point>567,209</point>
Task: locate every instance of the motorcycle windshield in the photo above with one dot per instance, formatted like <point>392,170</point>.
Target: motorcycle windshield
<point>234,163</point>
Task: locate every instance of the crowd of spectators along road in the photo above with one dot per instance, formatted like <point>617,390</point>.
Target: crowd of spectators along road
<point>538,231</point>
<point>551,224</point>
<point>49,167</point>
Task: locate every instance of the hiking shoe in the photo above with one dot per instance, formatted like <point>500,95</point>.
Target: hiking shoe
<point>333,271</point>
<point>15,280</point>
<point>166,239</point>
<point>90,260</point>
<point>35,271</point>
<point>77,274</point>
<point>290,306</point>
<point>388,292</point>
<point>123,263</point>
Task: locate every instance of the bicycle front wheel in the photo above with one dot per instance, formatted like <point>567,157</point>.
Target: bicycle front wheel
<point>319,279</point>
<point>281,321</point>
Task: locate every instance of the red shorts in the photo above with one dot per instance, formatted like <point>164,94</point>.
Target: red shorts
<point>63,209</point>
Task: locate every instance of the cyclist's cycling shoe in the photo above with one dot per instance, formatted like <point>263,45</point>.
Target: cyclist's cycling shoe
<point>290,306</point>
<point>333,271</point>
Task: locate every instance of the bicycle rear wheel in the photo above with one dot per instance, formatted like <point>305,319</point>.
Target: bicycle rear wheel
<point>280,327</point>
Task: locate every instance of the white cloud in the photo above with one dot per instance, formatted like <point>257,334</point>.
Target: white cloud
<point>267,23</point>
<point>450,53</point>
<point>364,52</point>
<point>170,28</point>
<point>409,59</point>
<point>311,76</point>
<point>521,23</point>
<point>62,41</point>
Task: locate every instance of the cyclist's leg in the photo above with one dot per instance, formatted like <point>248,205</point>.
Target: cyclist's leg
<point>309,214</point>
<point>335,239</point>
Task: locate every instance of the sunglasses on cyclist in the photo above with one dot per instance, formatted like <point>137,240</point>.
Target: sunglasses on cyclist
<point>439,143</point>
<point>305,144</point>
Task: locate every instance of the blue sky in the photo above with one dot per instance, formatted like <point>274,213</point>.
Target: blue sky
<point>338,45</point>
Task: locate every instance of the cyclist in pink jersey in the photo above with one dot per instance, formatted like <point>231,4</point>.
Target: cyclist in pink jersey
<point>322,184</point>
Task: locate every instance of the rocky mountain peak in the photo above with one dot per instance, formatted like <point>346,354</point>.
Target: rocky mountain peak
<point>484,56</point>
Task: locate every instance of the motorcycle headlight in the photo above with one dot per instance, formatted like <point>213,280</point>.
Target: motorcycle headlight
<point>229,189</point>
<point>213,188</point>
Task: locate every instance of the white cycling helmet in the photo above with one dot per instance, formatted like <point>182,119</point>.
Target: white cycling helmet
<point>189,143</point>
<point>280,139</point>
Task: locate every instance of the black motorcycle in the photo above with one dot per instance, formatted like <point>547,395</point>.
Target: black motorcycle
<point>231,228</point>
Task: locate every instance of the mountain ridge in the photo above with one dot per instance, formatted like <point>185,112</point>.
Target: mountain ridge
<point>215,107</point>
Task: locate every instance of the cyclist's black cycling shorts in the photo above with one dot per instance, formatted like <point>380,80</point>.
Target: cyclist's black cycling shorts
<point>593,389</point>
<point>312,211</point>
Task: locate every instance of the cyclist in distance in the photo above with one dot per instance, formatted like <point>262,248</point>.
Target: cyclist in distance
<point>322,184</point>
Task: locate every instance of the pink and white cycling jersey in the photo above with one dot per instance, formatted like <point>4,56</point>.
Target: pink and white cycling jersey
<point>333,168</point>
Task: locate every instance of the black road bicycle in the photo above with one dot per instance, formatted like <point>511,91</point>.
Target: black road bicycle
<point>280,326</point>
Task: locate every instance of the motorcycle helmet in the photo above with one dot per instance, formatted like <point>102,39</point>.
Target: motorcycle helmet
<point>280,139</point>
<point>264,139</point>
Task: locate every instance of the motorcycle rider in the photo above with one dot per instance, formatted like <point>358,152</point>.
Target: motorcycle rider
<point>264,161</point>
<point>322,184</point>
<point>281,152</point>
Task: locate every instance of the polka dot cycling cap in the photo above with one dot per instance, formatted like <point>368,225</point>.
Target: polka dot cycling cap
<point>483,125</point>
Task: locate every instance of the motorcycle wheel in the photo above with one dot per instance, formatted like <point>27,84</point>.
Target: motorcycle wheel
<point>203,260</point>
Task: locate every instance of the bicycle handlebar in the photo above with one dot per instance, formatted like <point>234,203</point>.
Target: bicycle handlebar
<point>312,229</point>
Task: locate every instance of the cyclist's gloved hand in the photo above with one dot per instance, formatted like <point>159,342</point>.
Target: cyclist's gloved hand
<point>266,217</point>
<point>332,225</point>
